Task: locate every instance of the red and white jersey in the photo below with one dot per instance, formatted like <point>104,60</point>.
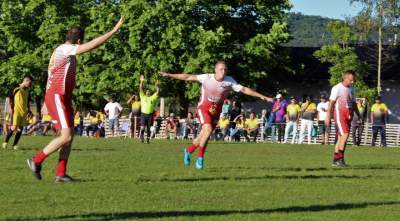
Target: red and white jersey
<point>62,70</point>
<point>213,92</point>
<point>344,97</point>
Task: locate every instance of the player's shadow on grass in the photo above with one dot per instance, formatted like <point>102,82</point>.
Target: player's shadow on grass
<point>177,214</point>
<point>290,169</point>
<point>266,177</point>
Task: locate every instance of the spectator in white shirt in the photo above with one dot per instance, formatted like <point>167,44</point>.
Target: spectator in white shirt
<point>113,110</point>
<point>321,116</point>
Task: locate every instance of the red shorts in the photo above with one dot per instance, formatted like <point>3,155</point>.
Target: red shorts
<point>60,109</point>
<point>342,120</point>
<point>205,117</point>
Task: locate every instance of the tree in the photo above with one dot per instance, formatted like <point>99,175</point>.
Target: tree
<point>170,35</point>
<point>379,16</point>
<point>343,57</point>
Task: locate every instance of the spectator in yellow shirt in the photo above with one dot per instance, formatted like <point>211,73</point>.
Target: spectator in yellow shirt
<point>78,123</point>
<point>293,111</point>
<point>221,131</point>
<point>308,110</point>
<point>251,127</point>
<point>379,118</point>
<point>238,130</point>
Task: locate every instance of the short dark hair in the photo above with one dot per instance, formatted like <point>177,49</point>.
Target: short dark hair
<point>28,77</point>
<point>348,72</point>
<point>75,34</point>
<point>220,62</point>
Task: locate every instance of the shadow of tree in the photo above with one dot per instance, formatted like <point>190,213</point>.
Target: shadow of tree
<point>172,214</point>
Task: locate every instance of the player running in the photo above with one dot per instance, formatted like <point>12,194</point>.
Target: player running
<point>19,111</point>
<point>342,103</point>
<point>214,89</point>
<point>58,98</point>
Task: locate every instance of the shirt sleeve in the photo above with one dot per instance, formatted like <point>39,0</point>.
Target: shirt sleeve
<point>235,85</point>
<point>119,107</point>
<point>202,77</point>
<point>72,49</point>
<point>107,107</point>
<point>319,107</point>
<point>334,94</point>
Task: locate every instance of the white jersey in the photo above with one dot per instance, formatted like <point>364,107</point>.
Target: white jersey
<point>113,109</point>
<point>214,92</point>
<point>344,97</point>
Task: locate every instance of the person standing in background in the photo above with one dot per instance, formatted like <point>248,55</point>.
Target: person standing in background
<point>279,109</point>
<point>322,107</point>
<point>357,123</point>
<point>308,110</point>
<point>293,111</point>
<point>113,110</point>
<point>135,113</point>
<point>379,119</point>
<point>147,104</point>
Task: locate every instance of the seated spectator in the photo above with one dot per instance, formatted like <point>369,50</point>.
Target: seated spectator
<point>102,123</point>
<point>251,127</point>
<point>221,131</point>
<point>236,132</point>
<point>33,125</point>
<point>78,124</point>
<point>94,121</point>
<point>135,114</point>
<point>47,123</point>
<point>189,126</point>
<point>172,126</point>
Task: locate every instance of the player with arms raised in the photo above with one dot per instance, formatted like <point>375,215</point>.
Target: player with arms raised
<point>58,98</point>
<point>214,89</point>
<point>342,103</point>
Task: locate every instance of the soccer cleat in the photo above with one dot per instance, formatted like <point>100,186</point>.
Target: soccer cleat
<point>200,163</point>
<point>15,147</point>
<point>339,163</point>
<point>4,145</point>
<point>186,157</point>
<point>63,179</point>
<point>34,168</point>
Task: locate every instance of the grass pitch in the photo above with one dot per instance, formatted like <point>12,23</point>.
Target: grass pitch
<point>121,179</point>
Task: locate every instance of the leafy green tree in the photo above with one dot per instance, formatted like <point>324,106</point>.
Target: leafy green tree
<point>343,57</point>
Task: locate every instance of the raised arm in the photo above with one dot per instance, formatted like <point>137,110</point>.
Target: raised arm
<point>130,99</point>
<point>99,40</point>
<point>157,87</point>
<point>182,77</point>
<point>253,93</point>
<point>141,84</point>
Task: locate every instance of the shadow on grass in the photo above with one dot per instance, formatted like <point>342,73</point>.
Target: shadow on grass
<point>176,214</point>
<point>266,177</point>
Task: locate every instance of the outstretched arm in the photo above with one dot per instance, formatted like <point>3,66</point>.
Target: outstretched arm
<point>183,77</point>
<point>99,40</point>
<point>253,93</point>
<point>157,87</point>
<point>141,84</point>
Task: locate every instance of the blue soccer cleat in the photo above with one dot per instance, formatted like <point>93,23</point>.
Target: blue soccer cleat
<point>200,163</point>
<point>186,157</point>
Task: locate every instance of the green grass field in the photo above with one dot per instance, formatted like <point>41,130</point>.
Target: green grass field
<point>121,179</point>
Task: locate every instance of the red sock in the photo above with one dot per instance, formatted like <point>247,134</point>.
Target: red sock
<point>61,167</point>
<point>191,148</point>
<point>39,157</point>
<point>339,156</point>
<point>201,151</point>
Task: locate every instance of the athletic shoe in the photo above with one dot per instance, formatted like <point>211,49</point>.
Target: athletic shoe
<point>186,157</point>
<point>200,163</point>
<point>34,168</point>
<point>339,163</point>
<point>15,147</point>
<point>4,145</point>
<point>63,179</point>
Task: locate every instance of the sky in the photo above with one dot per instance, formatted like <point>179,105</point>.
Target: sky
<point>338,9</point>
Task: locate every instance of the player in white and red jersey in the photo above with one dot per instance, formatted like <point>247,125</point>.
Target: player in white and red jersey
<point>342,103</point>
<point>58,98</point>
<point>214,89</point>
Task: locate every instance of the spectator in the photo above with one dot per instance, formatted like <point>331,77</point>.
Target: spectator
<point>322,107</point>
<point>135,113</point>
<point>293,111</point>
<point>238,131</point>
<point>357,123</point>
<point>102,123</point>
<point>113,110</point>
<point>279,109</point>
<point>379,118</point>
<point>172,126</point>
<point>308,110</point>
<point>226,107</point>
<point>264,123</point>
<point>33,124</point>
<point>235,111</point>
<point>189,126</point>
<point>94,122</point>
<point>251,127</point>
<point>47,123</point>
<point>221,131</point>
<point>78,123</point>
<point>147,107</point>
